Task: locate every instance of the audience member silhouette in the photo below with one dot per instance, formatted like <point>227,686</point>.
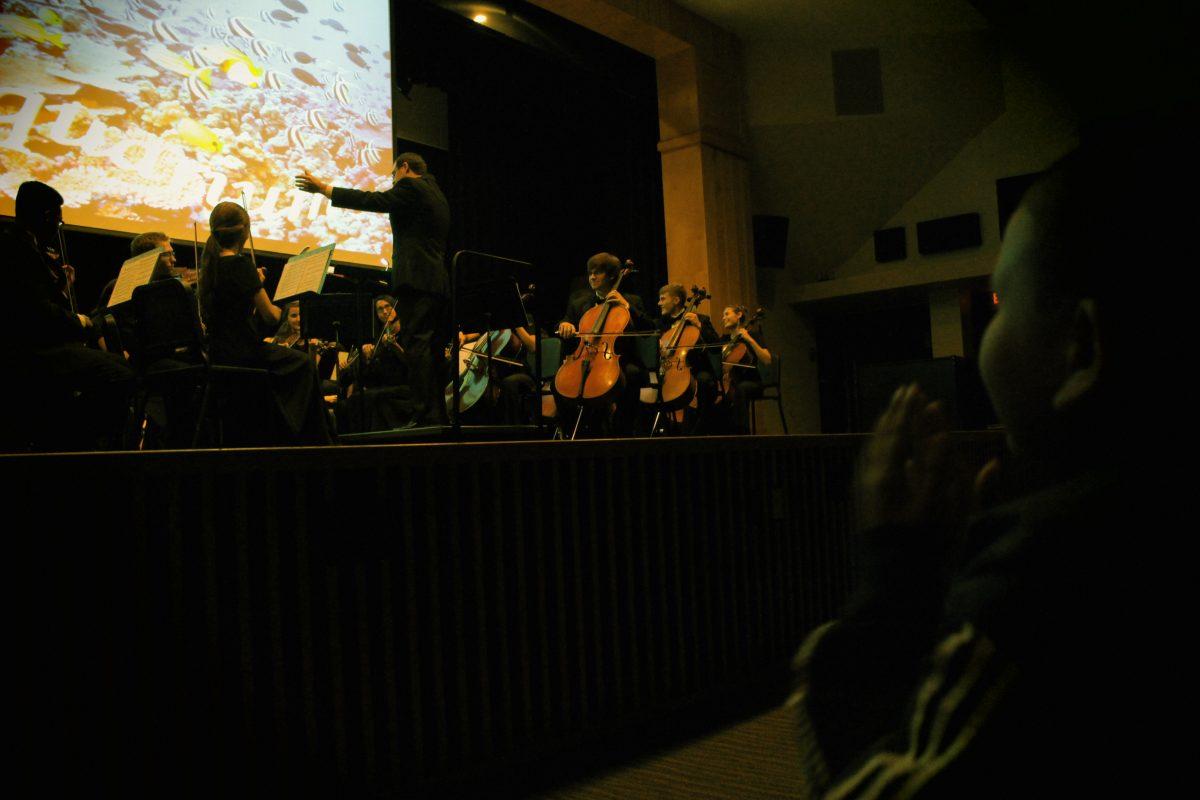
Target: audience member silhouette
<point>1001,657</point>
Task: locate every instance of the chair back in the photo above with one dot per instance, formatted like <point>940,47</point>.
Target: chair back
<point>168,323</point>
<point>714,358</point>
<point>552,355</point>
<point>768,374</point>
<point>646,348</point>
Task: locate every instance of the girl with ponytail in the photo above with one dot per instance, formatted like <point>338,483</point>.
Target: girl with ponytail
<point>233,302</point>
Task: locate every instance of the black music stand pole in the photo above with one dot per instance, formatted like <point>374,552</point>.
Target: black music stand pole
<point>487,303</point>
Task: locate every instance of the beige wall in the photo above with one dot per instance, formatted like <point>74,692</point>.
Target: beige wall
<point>702,138</point>
<point>960,112</point>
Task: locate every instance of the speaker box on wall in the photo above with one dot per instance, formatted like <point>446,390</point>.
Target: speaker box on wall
<point>947,234</point>
<point>891,244</point>
<point>770,241</point>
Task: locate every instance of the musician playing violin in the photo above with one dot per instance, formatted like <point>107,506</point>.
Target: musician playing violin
<point>744,383</point>
<point>602,271</point>
<point>122,339</point>
<point>382,399</point>
<point>45,338</point>
<point>169,416</point>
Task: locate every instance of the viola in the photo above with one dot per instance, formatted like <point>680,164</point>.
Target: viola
<point>592,375</point>
<point>676,384</point>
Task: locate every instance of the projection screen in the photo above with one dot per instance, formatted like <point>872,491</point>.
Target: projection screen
<point>145,114</point>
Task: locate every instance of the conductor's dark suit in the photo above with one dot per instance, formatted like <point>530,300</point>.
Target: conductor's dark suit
<point>420,218</point>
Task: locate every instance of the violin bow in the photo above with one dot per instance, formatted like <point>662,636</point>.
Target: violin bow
<point>250,230</point>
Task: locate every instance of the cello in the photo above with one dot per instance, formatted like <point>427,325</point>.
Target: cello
<point>592,375</point>
<point>477,362</point>
<point>734,354</point>
<point>676,384</point>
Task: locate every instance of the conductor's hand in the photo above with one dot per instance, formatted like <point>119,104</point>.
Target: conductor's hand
<point>565,330</point>
<point>307,183</point>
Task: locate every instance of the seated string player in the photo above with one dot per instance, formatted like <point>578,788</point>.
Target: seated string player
<point>78,397</point>
<point>1027,650</point>
<point>671,301</point>
<point>376,393</point>
<point>740,380</point>
<point>122,335</point>
<point>231,298</point>
<point>603,270</point>
<point>170,416</point>
<point>323,353</point>
<point>511,389</point>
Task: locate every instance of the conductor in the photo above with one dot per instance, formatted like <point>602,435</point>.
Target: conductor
<point>420,219</point>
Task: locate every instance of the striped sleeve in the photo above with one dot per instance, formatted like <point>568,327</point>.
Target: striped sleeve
<point>957,696</point>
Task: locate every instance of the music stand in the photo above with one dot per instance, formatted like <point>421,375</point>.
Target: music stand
<point>303,274</point>
<point>332,317</point>
<point>485,306</point>
<point>135,272</point>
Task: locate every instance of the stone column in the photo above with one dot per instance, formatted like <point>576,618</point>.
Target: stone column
<point>706,184</point>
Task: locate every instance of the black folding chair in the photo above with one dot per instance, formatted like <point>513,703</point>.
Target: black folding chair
<point>772,389</point>
<point>168,327</point>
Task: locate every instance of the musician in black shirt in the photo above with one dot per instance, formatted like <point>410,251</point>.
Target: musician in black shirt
<point>671,304</point>
<point>231,296</point>
<point>420,219</point>
<point>48,339</point>
<point>603,270</point>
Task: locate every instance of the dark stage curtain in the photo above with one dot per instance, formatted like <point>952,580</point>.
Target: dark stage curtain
<point>553,157</point>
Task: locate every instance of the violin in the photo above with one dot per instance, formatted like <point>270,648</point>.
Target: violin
<point>734,353</point>
<point>388,335</point>
<point>592,375</point>
<point>676,384</point>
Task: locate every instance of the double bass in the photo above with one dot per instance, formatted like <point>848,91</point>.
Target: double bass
<point>592,375</point>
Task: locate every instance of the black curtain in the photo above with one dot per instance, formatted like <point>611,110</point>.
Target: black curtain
<point>553,152</point>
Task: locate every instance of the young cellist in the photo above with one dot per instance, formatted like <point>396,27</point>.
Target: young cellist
<point>671,303</point>
<point>740,382</point>
<point>603,270</point>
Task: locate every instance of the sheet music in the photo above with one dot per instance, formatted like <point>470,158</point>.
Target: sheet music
<point>134,273</point>
<point>304,273</point>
